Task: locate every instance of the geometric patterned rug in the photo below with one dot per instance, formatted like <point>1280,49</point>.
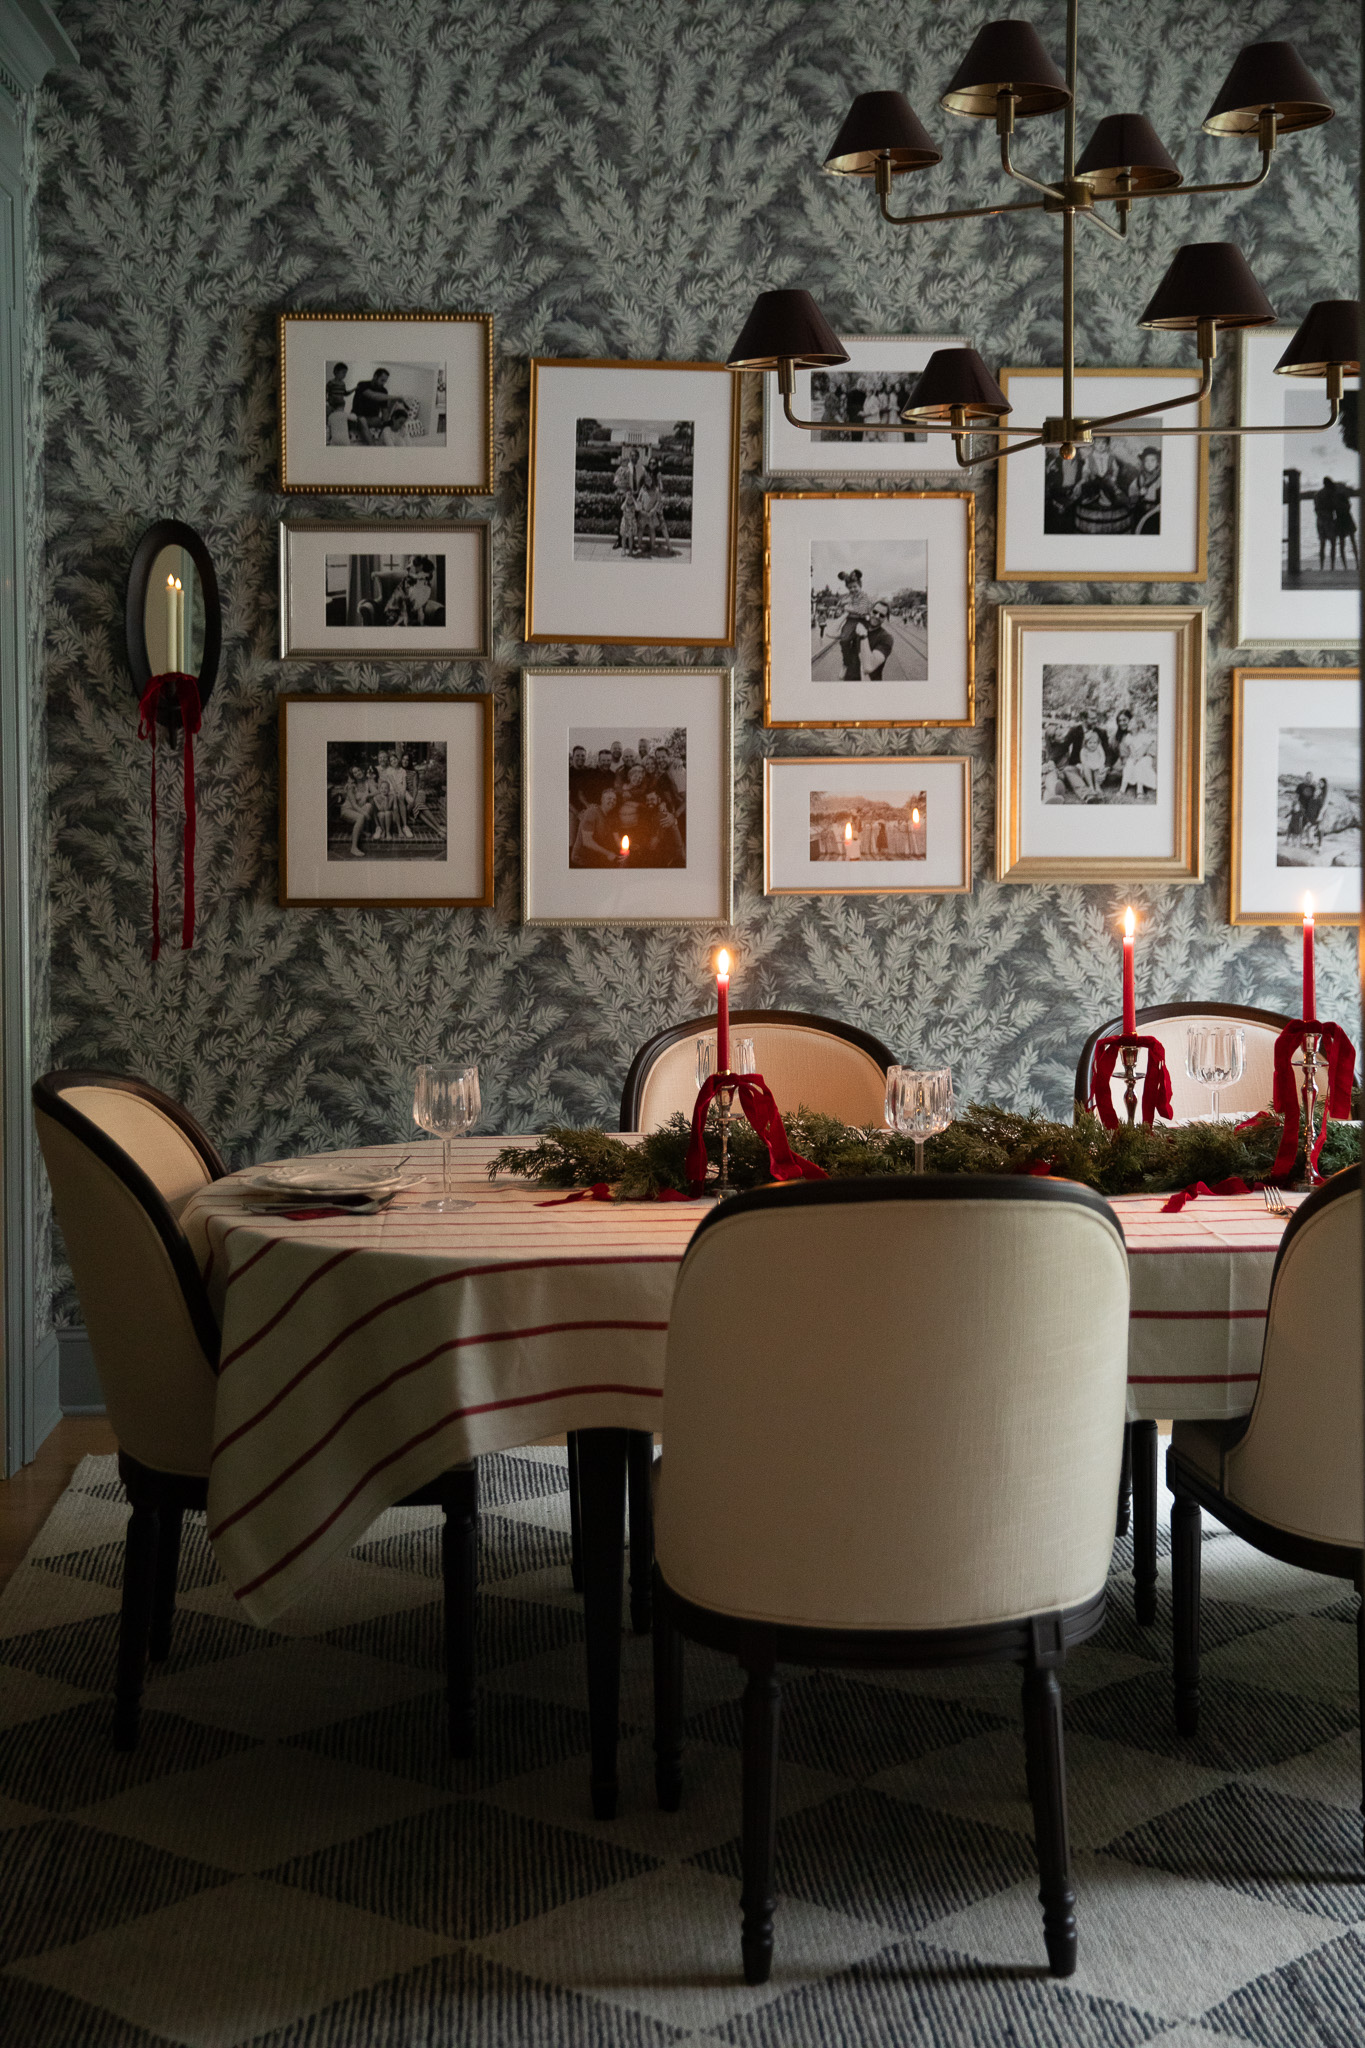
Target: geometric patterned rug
<point>290,1859</point>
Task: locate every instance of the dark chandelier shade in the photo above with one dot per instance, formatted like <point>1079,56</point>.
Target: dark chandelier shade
<point>1328,339</point>
<point>786,326</point>
<point>1125,154</point>
<point>1208,281</point>
<point>880,124</point>
<point>1268,75</point>
<point>956,378</point>
<point>1007,56</point>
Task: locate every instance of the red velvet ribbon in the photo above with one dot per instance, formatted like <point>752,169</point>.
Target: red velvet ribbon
<point>1336,1048</point>
<point>756,1100</point>
<point>185,690</point>
<point>1233,1185</point>
<point>600,1191</point>
<point>1156,1082</point>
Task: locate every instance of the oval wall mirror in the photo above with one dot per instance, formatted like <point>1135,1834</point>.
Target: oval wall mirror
<point>171,617</point>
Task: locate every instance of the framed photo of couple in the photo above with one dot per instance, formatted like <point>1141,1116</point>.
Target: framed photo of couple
<point>1295,795</point>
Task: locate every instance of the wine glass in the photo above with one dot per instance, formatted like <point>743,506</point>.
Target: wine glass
<point>742,1059</point>
<point>445,1101</point>
<point>1216,1057</point>
<point>919,1104</point>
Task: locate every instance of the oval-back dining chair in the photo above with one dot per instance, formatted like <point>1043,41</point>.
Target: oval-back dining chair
<point>816,1061</point>
<point>1171,1022</point>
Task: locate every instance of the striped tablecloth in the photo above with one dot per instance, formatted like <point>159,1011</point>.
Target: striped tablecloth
<point>361,1356</point>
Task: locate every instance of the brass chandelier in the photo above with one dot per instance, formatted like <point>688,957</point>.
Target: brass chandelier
<point>1007,76</point>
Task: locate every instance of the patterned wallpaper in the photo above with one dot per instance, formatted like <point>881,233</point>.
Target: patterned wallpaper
<point>609,181</point>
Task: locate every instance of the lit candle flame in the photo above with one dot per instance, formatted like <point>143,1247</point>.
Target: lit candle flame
<point>1129,922</point>
<point>848,830</point>
<point>1308,907</point>
<point>178,584</point>
<point>170,583</point>
<point>722,965</point>
<point>625,845</point>
<point>914,815</point>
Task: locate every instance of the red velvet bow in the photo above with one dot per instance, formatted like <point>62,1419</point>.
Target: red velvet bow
<point>756,1100</point>
<point>1336,1048</point>
<point>1233,1185</point>
<point>600,1191</point>
<point>185,690</point>
<point>1156,1083</point>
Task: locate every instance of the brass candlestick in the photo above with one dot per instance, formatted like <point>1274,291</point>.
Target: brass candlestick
<point>1129,1055</point>
<point>1307,1062</point>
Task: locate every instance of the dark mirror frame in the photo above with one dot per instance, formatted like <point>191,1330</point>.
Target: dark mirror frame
<point>170,533</point>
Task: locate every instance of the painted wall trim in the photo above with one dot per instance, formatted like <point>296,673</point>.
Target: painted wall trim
<point>33,42</point>
<point>78,1382</point>
<point>47,1400</point>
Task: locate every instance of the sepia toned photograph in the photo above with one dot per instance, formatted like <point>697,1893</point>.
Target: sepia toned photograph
<point>386,590</point>
<point>386,802</point>
<point>1110,486</point>
<point>633,491</point>
<point>627,797</point>
<point>1099,733</point>
<point>863,398</point>
<point>384,405</point>
<point>861,826</point>
<point>883,825</point>
<point>869,611</point>
<point>1318,797</point>
<point>1320,544</point>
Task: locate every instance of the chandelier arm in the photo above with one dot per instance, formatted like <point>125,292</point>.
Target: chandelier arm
<point>992,454</point>
<point>1021,177</point>
<point>908,426</point>
<point>1140,412</point>
<point>1205,433</point>
<point>1119,233</point>
<point>1199,191</point>
<point>910,220</point>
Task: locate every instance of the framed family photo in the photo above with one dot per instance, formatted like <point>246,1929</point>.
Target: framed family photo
<point>1295,794</point>
<point>394,590</point>
<point>883,825</point>
<point>386,801</point>
<point>633,492</point>
<point>869,608</point>
<point>1099,747</point>
<point>872,389</point>
<point>626,795</point>
<point>1129,507</point>
<point>386,402</point>
<point>1298,506</point>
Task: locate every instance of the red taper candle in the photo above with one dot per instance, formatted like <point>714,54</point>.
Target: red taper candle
<point>722,1012</point>
<point>1129,983</point>
<point>1310,984</point>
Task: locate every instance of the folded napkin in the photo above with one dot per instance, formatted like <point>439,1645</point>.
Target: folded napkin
<point>1233,1185</point>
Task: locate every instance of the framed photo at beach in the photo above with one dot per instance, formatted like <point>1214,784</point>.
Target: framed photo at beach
<point>1295,795</point>
<point>872,389</point>
<point>882,825</point>
<point>633,491</point>
<point>869,608</point>
<point>387,590</point>
<point>386,801</point>
<point>626,795</point>
<point>1099,743</point>
<point>1129,507</point>
<point>1298,506</point>
<point>389,403</point>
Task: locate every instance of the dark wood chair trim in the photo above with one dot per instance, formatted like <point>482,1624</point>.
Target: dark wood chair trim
<point>1163,1013</point>
<point>55,1083</point>
<point>926,1187</point>
<point>696,1027</point>
<point>1334,1560</point>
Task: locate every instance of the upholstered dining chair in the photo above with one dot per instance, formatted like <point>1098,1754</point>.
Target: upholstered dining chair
<point>892,1421</point>
<point>123,1160</point>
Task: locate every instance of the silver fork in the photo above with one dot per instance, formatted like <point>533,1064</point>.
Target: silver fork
<point>1275,1201</point>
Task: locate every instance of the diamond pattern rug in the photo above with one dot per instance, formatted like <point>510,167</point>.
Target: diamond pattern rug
<point>290,1859</point>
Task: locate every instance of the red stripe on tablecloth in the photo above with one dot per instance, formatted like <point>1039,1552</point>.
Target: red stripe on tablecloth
<point>247,1264</point>
<point>326,1267</point>
<point>453,1415</point>
<point>1197,1315</point>
<point>1190,1379</point>
<point>1197,1251</point>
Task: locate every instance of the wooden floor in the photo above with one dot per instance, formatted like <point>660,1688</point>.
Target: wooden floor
<point>29,1498</point>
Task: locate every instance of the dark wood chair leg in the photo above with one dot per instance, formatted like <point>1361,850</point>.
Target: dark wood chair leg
<point>1125,1482</point>
<point>762,1713</point>
<point>460,1575</point>
<point>639,1486</point>
<point>135,1623</point>
<point>1144,1520</point>
<point>668,1702</point>
<point>575,1517</point>
<point>170,1521</point>
<point>1185,1547</point>
<point>602,1503</point>
<point>1047,1789</point>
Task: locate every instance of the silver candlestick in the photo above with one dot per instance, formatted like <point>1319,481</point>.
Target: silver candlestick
<point>1306,1060</point>
<point>725,1097</point>
<point>1129,1055</point>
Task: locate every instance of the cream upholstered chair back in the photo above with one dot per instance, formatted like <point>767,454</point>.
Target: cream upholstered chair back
<point>812,1061</point>
<point>1171,1023</point>
<point>895,1404</point>
<point>152,1332</point>
<point>1301,1463</point>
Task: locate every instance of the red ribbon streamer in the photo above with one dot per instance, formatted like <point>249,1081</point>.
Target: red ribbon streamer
<point>600,1191</point>
<point>1336,1048</point>
<point>185,690</point>
<point>1156,1082</point>
<point>756,1100</point>
<point>1233,1185</point>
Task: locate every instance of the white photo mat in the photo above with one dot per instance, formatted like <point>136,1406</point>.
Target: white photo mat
<point>791,451</point>
<point>802,796</point>
<point>889,539</point>
<point>1289,723</point>
<point>558,704</point>
<point>316,570</point>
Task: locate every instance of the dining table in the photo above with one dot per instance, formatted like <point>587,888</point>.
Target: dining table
<point>364,1354</point>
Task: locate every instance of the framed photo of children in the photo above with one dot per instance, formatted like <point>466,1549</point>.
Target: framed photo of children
<point>386,801</point>
<point>1298,506</point>
<point>870,391</point>
<point>626,810</point>
<point>386,402</point>
<point>1099,743</point>
<point>883,825</point>
<point>1128,507</point>
<point>1295,795</point>
<point>394,590</point>
<point>869,608</point>
<point>631,519</point>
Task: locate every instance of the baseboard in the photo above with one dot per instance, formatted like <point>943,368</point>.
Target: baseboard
<point>77,1379</point>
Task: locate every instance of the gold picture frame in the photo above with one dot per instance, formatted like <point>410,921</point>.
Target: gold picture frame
<point>789,819</point>
<point>1242,883</point>
<point>1176,652</point>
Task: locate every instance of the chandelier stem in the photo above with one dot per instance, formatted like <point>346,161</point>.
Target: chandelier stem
<point>1068,322</point>
<point>1073,11</point>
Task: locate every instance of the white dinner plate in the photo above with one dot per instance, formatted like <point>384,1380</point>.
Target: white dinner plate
<point>309,1177</point>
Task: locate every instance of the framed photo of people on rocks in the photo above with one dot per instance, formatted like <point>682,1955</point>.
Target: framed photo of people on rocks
<point>1295,795</point>
<point>386,801</point>
<point>391,590</point>
<point>391,403</point>
<point>859,399</point>
<point>634,481</point>
<point>869,608</point>
<point>1127,507</point>
<point>1298,506</point>
<point>879,825</point>
<point>626,795</point>
<point>1099,743</point>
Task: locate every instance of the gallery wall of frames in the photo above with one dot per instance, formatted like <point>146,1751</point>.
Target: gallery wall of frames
<point>553,656</point>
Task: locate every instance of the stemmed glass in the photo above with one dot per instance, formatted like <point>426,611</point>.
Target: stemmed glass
<point>446,1102</point>
<point>1216,1057</point>
<point>742,1059</point>
<point>919,1104</point>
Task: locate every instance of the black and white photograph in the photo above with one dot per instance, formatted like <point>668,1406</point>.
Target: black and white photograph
<point>869,611</point>
<point>1317,816</point>
<point>863,398</point>
<point>386,802</point>
<point>382,405</point>
<point>1320,493</point>
<point>627,797</point>
<point>386,590</point>
<point>391,590</point>
<point>1110,486</point>
<point>883,825</point>
<point>867,394</point>
<point>1298,504</point>
<point>633,491</point>
<point>1100,733</point>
